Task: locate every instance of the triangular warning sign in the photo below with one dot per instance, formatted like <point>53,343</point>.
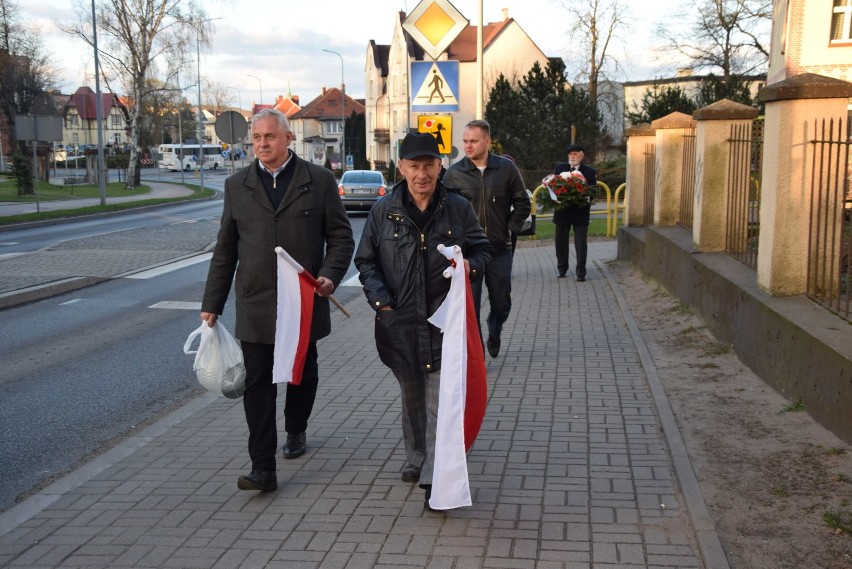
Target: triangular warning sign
<point>434,90</point>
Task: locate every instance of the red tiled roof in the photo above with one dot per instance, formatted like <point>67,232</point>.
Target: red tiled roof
<point>463,47</point>
<point>287,106</point>
<point>85,101</point>
<point>327,106</point>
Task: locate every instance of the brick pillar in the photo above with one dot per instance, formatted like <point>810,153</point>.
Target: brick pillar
<point>638,137</point>
<point>710,214</point>
<point>792,107</point>
<point>669,132</point>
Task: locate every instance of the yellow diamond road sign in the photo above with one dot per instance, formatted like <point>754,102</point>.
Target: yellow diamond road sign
<point>434,24</point>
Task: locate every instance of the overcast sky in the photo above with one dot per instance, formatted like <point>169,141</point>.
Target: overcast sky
<point>281,42</point>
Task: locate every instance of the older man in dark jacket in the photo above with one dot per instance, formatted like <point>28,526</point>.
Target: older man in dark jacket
<point>402,273</point>
<point>575,216</point>
<point>278,200</point>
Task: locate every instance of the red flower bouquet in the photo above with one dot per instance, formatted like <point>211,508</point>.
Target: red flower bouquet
<point>565,190</point>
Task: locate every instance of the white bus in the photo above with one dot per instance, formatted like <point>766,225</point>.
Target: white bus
<point>172,159</point>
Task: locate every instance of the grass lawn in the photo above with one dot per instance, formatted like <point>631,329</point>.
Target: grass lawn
<point>544,229</point>
<point>49,192</point>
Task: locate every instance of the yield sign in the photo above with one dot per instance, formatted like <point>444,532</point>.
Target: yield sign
<point>434,24</point>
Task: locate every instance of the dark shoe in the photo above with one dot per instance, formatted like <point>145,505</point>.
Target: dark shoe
<point>410,473</point>
<point>493,345</point>
<point>295,445</point>
<point>560,275</point>
<point>428,488</point>
<point>263,480</point>
<point>581,279</point>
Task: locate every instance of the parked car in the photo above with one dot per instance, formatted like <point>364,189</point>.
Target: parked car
<point>359,189</point>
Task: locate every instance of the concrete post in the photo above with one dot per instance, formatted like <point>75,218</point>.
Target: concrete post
<point>712,156</point>
<point>792,108</point>
<point>667,191</point>
<point>637,138</point>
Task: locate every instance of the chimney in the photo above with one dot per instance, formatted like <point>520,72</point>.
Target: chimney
<point>505,14</point>
<point>295,99</point>
<point>323,90</point>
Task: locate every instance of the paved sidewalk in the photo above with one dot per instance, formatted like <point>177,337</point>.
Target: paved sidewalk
<point>578,465</point>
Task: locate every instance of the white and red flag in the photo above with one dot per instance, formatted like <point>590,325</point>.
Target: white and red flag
<point>293,321</point>
<point>463,393</point>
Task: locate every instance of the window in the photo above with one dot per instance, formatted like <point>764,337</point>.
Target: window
<point>841,21</point>
<point>116,121</point>
<point>73,119</point>
<point>333,128</point>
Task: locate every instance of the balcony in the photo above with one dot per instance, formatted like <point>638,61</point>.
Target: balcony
<point>381,135</point>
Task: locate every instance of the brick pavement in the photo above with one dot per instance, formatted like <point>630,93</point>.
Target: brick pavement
<point>573,467</point>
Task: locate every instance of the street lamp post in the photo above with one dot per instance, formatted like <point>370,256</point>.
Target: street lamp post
<point>259,82</point>
<point>342,113</point>
<point>99,110</point>
<point>200,112</point>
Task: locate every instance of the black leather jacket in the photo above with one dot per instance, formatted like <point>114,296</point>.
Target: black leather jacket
<point>400,266</point>
<point>498,195</point>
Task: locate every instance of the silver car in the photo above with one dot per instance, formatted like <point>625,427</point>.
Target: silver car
<point>359,189</point>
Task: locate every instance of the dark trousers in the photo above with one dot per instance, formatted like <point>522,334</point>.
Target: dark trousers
<point>259,401</point>
<point>498,279</point>
<point>581,247</point>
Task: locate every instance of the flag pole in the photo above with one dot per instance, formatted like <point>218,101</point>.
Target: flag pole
<point>314,283</point>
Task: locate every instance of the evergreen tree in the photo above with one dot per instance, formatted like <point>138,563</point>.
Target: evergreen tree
<point>532,121</point>
<point>717,88</point>
<point>658,102</point>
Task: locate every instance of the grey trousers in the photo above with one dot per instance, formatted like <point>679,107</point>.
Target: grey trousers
<point>419,394</point>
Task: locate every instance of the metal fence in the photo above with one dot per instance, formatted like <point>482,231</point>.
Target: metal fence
<point>687,179</point>
<point>649,183</point>
<point>744,177</point>
<point>830,234</point>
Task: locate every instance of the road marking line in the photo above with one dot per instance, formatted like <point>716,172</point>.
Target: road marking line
<point>158,271</point>
<point>352,281</point>
<point>177,305</point>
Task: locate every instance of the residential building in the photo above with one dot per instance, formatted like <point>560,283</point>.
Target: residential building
<point>811,37</point>
<point>507,50</point>
<point>318,126</point>
<point>81,118</point>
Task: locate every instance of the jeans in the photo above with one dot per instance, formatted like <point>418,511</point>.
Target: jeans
<point>498,279</point>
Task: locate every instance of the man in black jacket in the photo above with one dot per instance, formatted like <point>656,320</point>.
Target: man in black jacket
<point>573,216</point>
<point>494,186</point>
<point>402,273</point>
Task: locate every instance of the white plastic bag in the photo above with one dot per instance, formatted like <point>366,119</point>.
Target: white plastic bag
<point>218,361</point>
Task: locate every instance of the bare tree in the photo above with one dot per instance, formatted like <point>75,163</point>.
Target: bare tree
<point>594,29</point>
<point>725,36</point>
<point>217,96</point>
<point>25,73</point>
<point>136,39</point>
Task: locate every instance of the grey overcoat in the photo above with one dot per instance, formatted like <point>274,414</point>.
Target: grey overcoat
<point>310,224</point>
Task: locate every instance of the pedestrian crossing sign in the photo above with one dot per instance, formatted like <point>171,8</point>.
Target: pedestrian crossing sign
<point>441,127</point>
<point>435,86</point>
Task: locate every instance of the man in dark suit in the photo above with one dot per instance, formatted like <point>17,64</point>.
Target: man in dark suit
<point>278,200</point>
<point>576,217</point>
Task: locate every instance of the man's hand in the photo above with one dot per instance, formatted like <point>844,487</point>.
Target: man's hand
<point>210,318</point>
<point>326,287</point>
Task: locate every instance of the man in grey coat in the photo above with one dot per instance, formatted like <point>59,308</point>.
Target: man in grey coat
<point>278,200</point>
